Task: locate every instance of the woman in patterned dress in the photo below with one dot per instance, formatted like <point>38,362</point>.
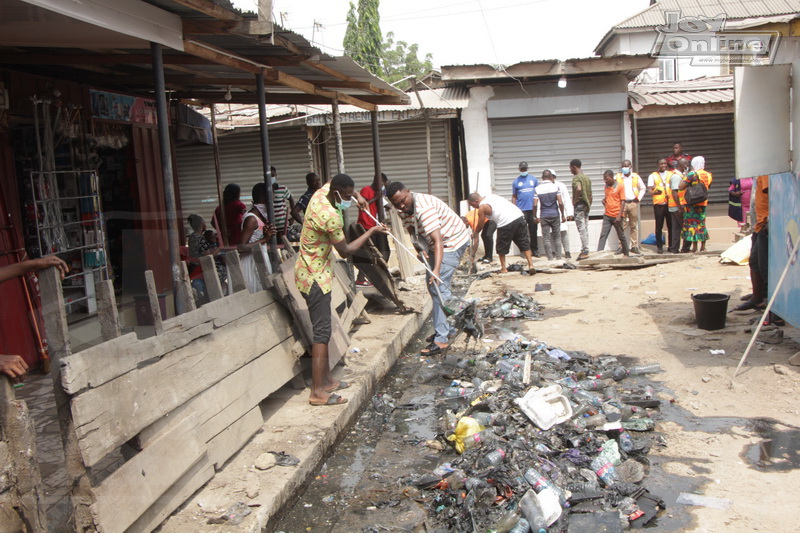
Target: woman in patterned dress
<point>694,217</point>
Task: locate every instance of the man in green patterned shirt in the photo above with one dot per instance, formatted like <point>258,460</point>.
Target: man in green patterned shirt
<point>322,231</point>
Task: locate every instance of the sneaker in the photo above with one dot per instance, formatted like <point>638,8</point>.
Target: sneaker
<point>485,261</point>
<point>363,284</point>
<point>660,250</point>
<point>583,256</point>
<point>635,250</point>
<point>536,254</point>
<point>567,255</point>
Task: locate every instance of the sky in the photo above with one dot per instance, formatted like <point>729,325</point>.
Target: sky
<point>467,32</point>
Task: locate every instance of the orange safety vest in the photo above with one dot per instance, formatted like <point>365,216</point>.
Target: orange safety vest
<point>706,178</point>
<point>635,183</point>
<point>665,195</point>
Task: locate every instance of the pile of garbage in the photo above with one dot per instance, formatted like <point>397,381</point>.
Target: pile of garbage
<point>548,440</point>
<point>515,305</point>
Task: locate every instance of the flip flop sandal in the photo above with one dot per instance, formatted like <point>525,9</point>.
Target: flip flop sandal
<point>333,399</point>
<point>747,305</point>
<point>746,297</point>
<point>342,385</point>
<point>531,271</point>
<point>431,349</point>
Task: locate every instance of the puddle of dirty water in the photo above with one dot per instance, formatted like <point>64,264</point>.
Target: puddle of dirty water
<point>778,451</point>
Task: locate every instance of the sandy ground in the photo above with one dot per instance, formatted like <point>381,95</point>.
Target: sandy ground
<point>648,314</point>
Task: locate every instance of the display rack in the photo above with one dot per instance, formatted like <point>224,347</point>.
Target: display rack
<point>69,223</point>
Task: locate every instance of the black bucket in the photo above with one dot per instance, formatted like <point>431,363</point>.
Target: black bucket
<point>710,310</point>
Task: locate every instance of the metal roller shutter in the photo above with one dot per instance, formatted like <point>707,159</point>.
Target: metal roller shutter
<point>711,136</point>
<point>240,160</point>
<point>403,155</point>
<point>552,142</point>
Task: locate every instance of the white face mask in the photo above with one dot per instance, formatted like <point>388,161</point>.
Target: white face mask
<point>626,170</point>
<point>273,180</point>
<point>344,204</point>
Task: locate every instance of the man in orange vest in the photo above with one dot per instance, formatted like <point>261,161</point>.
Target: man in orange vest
<point>634,191</point>
<point>658,184</point>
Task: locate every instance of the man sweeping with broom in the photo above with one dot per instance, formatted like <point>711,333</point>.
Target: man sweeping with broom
<point>446,237</point>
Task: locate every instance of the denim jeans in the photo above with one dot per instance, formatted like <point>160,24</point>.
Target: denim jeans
<point>551,236</point>
<point>450,261</point>
<point>582,222</point>
<point>608,223</point>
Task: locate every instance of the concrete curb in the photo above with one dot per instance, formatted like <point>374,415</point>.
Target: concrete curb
<point>293,426</point>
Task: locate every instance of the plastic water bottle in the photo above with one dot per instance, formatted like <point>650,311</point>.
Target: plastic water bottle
<point>504,366</point>
<point>628,411</point>
<point>523,526</point>
<point>493,458</point>
<point>426,375</point>
<point>605,470</point>
<point>649,392</point>
<point>533,513</point>
<point>590,421</point>
<point>456,392</point>
<point>591,384</point>
<point>618,374</point>
<point>473,483</point>
<point>625,441</point>
<point>479,439</point>
<point>539,482</point>
<point>448,422</point>
<point>507,522</point>
<point>490,419</point>
<point>586,396</point>
<point>644,369</point>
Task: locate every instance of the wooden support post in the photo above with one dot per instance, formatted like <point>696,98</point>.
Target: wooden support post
<point>107,310</point>
<point>287,245</point>
<point>186,294</point>
<point>262,267</point>
<point>155,305</point>
<point>55,321</point>
<point>213,286</point>
<point>235,275</point>
<point>19,454</point>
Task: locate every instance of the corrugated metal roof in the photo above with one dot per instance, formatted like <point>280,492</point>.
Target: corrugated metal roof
<point>732,9</point>
<point>700,91</point>
<point>237,116</point>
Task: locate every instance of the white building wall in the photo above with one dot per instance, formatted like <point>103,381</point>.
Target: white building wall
<point>478,140</point>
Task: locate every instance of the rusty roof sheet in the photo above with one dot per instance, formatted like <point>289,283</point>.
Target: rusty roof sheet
<point>732,9</point>
<point>707,90</point>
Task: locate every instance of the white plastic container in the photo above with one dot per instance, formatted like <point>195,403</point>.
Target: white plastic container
<point>545,407</point>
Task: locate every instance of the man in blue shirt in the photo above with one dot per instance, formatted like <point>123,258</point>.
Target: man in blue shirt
<point>523,192</point>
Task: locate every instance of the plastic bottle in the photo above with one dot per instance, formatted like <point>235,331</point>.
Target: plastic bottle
<point>426,375</point>
<point>493,458</point>
<point>610,394</point>
<point>529,506</point>
<point>568,382</point>
<point>490,419</point>
<point>539,482</point>
<point>473,483</point>
<point>507,522</point>
<point>591,384</point>
<point>644,369</point>
<point>628,411</point>
<point>618,374</point>
<point>649,392</point>
<point>523,526</point>
<point>448,422</point>
<point>505,366</point>
<point>605,470</point>
<point>455,392</point>
<point>479,439</point>
<point>625,441</point>
<point>590,421</point>
<point>586,396</point>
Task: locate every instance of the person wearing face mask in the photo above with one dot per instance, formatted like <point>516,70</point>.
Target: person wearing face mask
<point>523,193</point>
<point>256,229</point>
<point>374,195</point>
<point>658,184</point>
<point>323,230</point>
<point>634,192</point>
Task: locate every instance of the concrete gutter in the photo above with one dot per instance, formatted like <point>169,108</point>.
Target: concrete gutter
<point>293,426</point>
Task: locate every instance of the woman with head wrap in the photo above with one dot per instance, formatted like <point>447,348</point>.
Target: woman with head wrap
<point>256,229</point>
<point>694,217</point>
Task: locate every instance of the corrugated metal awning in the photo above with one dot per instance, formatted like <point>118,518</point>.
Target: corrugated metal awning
<point>700,91</point>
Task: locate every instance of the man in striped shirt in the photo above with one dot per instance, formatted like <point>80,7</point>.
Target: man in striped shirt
<point>282,204</point>
<point>446,238</point>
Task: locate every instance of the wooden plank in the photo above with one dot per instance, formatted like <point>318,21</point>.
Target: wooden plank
<point>231,398</point>
<point>113,413</point>
<point>404,262</point>
<point>155,306</point>
<point>55,322</point>
<point>211,9</point>
<point>339,343</point>
<point>222,311</point>
<point>197,476</point>
<point>213,286</point>
<point>263,267</point>
<point>226,444</point>
<point>102,363</point>
<point>107,310</point>
<point>235,275</point>
<point>185,296</point>
<point>152,472</point>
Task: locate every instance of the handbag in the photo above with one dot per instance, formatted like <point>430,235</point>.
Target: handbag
<point>696,193</point>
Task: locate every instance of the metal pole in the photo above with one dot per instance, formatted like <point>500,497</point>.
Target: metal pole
<point>310,141</point>
<point>223,222</point>
<point>262,122</point>
<point>376,160</point>
<point>337,136</point>
<point>166,173</point>
<point>427,135</point>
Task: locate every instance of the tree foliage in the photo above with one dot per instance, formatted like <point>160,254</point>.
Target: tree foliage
<point>390,60</point>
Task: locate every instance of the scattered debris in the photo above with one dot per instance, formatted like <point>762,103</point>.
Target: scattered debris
<point>284,459</point>
<point>233,516</point>
<point>265,461</point>
<point>687,498</point>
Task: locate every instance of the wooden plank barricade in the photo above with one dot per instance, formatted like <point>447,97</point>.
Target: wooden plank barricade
<point>184,401</point>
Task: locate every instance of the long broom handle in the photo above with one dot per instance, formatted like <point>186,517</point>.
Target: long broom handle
<point>401,245</point>
<point>769,306</point>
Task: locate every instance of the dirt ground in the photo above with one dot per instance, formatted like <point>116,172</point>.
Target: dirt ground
<point>648,314</point>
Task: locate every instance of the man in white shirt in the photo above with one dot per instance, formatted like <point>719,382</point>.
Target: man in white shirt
<point>569,213</point>
<point>549,206</point>
<point>634,192</point>
<point>511,226</point>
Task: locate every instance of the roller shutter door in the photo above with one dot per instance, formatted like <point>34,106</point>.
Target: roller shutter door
<point>240,161</point>
<point>711,136</point>
<point>552,142</point>
<point>403,155</point>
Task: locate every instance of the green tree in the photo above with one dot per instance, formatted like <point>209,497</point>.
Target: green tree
<point>390,60</point>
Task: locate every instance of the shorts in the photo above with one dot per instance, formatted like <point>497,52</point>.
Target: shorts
<point>516,232</point>
<point>319,308</point>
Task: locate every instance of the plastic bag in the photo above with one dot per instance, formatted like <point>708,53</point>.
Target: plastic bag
<point>466,427</point>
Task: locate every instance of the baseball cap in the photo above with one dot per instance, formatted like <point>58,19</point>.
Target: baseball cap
<point>523,165</point>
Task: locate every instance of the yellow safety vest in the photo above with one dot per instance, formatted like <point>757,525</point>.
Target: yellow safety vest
<point>635,183</point>
<point>662,197</point>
